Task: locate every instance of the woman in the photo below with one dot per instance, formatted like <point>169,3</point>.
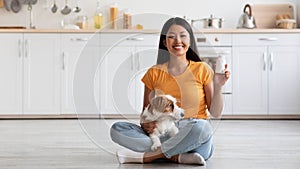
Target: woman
<point>180,73</point>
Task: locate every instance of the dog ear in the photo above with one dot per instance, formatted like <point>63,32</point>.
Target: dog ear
<point>158,103</point>
<point>163,104</point>
<point>158,92</point>
<point>150,108</point>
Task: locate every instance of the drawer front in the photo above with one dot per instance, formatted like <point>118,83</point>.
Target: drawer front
<point>265,39</point>
<point>134,39</point>
<point>80,39</point>
<point>213,39</point>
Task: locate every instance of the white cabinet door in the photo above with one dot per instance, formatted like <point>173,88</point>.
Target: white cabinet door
<point>124,63</point>
<point>250,80</point>
<point>73,47</point>
<point>84,81</point>
<point>144,58</point>
<point>41,73</point>
<point>284,80</point>
<point>11,73</point>
<point>115,70</point>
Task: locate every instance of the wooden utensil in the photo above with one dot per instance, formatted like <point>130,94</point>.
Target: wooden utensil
<point>1,3</point>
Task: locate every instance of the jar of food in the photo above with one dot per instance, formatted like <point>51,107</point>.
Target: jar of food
<point>82,22</point>
<point>127,23</point>
<point>113,15</point>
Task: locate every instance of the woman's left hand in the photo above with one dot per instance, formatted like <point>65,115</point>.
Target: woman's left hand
<point>221,78</point>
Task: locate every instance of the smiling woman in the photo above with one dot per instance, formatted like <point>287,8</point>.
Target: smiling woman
<point>180,73</point>
<point>177,41</point>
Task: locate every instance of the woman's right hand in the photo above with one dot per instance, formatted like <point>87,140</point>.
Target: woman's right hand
<point>148,127</point>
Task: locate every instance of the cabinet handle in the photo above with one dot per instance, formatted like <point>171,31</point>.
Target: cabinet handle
<point>202,40</point>
<point>265,60</point>
<point>138,62</point>
<point>271,61</point>
<point>226,93</point>
<point>268,39</point>
<point>20,49</point>
<point>135,39</point>
<point>132,61</point>
<point>79,39</point>
<point>63,61</point>
<point>26,49</point>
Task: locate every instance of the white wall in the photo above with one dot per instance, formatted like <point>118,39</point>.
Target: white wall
<point>230,10</point>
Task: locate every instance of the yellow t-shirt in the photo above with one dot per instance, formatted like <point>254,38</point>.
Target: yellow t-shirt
<point>187,88</point>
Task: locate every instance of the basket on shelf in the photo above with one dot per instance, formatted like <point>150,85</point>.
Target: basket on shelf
<point>286,23</point>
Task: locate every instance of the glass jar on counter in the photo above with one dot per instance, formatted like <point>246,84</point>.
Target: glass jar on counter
<point>82,22</point>
<point>127,19</point>
<point>113,10</point>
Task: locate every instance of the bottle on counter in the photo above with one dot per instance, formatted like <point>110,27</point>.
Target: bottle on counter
<point>98,17</point>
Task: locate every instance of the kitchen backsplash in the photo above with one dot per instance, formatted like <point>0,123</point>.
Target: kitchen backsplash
<point>150,14</point>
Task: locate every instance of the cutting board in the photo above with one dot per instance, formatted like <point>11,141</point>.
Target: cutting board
<point>1,3</point>
<point>265,14</point>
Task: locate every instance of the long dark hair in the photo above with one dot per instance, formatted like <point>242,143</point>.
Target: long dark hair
<point>163,53</point>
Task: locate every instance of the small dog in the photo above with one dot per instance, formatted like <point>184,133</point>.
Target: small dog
<point>165,112</point>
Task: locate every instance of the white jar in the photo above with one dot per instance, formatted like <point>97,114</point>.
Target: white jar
<point>220,64</point>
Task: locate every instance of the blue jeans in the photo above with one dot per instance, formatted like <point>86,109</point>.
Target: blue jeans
<point>195,135</point>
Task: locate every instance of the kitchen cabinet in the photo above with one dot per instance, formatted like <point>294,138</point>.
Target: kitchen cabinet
<point>11,64</point>
<point>265,74</point>
<point>143,58</point>
<point>125,59</point>
<point>41,74</point>
<point>79,55</point>
<point>31,80</point>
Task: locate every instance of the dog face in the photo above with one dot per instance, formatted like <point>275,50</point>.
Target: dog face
<point>165,106</point>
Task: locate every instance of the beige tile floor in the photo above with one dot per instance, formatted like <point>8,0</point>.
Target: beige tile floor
<point>85,144</point>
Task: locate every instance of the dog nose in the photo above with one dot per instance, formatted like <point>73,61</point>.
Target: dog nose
<point>182,114</point>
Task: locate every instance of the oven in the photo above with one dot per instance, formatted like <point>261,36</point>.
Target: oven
<point>211,47</point>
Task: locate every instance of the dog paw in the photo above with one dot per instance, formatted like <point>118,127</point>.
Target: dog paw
<point>155,146</point>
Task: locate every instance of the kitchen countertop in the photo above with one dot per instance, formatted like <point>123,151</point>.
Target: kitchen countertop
<point>223,31</point>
